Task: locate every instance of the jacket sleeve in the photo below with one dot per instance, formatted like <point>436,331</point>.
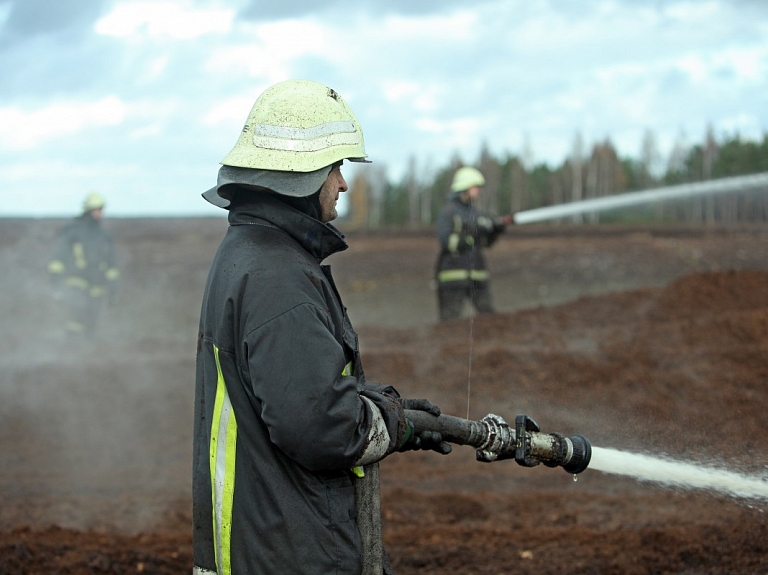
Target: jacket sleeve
<point>444,227</point>
<point>489,229</point>
<point>451,232</point>
<point>314,413</point>
<point>112,272</point>
<point>62,254</point>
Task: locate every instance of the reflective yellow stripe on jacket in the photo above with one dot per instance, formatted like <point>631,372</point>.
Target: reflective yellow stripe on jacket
<point>358,469</point>
<point>462,275</point>
<point>78,253</point>
<point>76,282</point>
<point>56,267</point>
<point>222,454</point>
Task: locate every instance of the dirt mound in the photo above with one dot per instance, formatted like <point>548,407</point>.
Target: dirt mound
<point>639,341</point>
<point>684,355</point>
<point>713,293</point>
<point>679,371</point>
<point>57,550</point>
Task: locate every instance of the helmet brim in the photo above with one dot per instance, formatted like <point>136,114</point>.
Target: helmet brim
<point>293,184</point>
<point>212,197</point>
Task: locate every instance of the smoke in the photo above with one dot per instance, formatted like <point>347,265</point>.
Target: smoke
<point>96,432</point>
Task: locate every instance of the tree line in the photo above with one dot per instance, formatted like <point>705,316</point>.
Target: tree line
<point>514,184</point>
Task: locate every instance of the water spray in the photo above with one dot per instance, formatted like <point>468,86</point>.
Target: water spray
<point>629,199</point>
<point>683,474</point>
<point>495,440</point>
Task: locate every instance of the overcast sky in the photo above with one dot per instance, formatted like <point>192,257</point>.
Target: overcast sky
<point>140,100</point>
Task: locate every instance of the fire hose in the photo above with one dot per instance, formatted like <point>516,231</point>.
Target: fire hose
<point>495,440</point>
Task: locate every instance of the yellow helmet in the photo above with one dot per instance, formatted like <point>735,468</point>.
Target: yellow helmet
<point>465,178</point>
<point>93,201</point>
<point>298,126</point>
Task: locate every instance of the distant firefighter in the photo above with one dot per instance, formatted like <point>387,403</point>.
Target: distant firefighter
<point>464,232</point>
<point>83,268</point>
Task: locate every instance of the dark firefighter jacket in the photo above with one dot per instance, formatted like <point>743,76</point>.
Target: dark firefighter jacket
<point>84,256</point>
<point>463,232</point>
<point>279,415</point>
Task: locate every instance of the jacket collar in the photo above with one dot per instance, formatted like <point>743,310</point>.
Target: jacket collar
<point>457,198</point>
<point>319,239</point>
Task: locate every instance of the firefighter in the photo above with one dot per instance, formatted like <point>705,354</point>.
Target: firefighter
<point>288,431</point>
<point>463,232</point>
<point>84,267</point>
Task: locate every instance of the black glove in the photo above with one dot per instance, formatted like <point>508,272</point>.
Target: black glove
<point>425,440</point>
<point>420,405</point>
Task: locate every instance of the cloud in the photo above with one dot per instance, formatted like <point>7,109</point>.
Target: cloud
<point>158,91</point>
<point>260,10</point>
<point>748,64</point>
<point>23,129</point>
<point>32,17</point>
<point>270,50</point>
<point>230,113</point>
<point>176,20</point>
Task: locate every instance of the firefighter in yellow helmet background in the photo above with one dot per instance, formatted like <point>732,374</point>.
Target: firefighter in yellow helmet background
<point>464,232</point>
<point>84,267</point>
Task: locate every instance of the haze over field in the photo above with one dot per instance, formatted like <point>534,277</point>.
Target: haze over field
<point>643,339</point>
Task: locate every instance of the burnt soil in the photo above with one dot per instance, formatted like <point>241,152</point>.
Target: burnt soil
<point>651,340</point>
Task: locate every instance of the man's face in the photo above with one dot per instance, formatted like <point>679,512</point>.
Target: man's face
<point>329,193</point>
<point>471,194</point>
<point>474,192</point>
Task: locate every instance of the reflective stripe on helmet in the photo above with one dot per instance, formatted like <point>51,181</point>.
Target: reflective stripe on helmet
<point>307,145</point>
<point>290,133</point>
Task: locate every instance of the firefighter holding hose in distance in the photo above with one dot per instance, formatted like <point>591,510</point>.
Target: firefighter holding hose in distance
<point>463,232</point>
<point>288,431</point>
<point>84,267</point>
